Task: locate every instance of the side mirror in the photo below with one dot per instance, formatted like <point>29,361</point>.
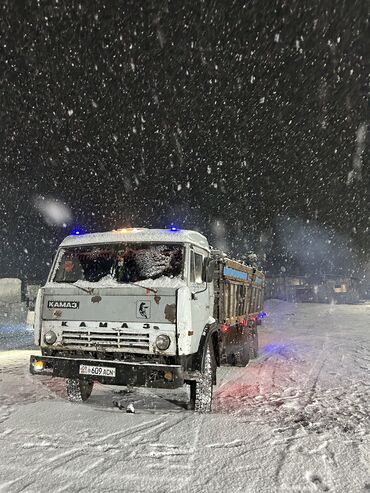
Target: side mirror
<point>208,270</point>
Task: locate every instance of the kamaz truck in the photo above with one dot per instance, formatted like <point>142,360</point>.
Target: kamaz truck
<point>145,307</point>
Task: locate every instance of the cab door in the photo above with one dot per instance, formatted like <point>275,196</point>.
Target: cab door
<point>202,293</point>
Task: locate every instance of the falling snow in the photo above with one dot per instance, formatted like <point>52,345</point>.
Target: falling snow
<point>247,123</point>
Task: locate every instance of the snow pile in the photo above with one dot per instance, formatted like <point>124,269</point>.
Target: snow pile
<point>10,290</point>
<point>140,235</point>
<point>110,282</point>
<point>163,282</point>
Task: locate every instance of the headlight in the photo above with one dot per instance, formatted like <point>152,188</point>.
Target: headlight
<point>50,337</point>
<point>163,342</point>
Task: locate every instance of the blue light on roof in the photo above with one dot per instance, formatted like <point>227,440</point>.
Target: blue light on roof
<point>173,228</point>
<point>77,232</point>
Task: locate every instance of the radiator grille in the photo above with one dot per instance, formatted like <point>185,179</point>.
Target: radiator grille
<point>95,339</point>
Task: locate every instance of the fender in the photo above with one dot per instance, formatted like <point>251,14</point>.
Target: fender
<point>196,360</point>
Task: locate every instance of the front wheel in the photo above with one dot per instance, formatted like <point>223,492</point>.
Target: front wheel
<point>201,390</point>
<point>78,390</point>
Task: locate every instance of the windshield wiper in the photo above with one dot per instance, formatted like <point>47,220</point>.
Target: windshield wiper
<point>73,283</point>
<point>155,291</point>
<point>86,290</point>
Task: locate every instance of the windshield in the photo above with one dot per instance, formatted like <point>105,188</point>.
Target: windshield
<point>124,263</point>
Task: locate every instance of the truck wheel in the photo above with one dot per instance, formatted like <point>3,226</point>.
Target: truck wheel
<point>241,357</point>
<point>201,390</point>
<point>244,356</point>
<point>253,347</point>
<point>78,390</point>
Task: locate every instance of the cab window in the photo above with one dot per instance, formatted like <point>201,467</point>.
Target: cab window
<point>196,265</point>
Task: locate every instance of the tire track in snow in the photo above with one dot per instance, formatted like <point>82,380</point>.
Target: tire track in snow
<point>62,458</point>
<point>115,452</point>
<point>328,457</point>
<point>190,468</point>
<point>285,453</point>
<point>121,452</point>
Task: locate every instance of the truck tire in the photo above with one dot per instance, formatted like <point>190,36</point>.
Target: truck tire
<point>241,357</point>
<point>253,345</point>
<point>78,390</point>
<point>244,356</point>
<point>201,390</point>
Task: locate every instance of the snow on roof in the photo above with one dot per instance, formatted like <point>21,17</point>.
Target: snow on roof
<point>132,235</point>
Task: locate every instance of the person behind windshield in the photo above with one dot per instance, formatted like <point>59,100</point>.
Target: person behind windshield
<point>70,270</point>
<point>127,269</point>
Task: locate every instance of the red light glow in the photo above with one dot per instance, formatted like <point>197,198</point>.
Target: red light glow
<point>224,328</point>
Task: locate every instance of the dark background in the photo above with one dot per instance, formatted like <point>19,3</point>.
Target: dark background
<point>238,119</point>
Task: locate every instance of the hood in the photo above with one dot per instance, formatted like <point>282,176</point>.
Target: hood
<point>111,304</point>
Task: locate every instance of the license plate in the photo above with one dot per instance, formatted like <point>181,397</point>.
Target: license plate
<point>100,371</point>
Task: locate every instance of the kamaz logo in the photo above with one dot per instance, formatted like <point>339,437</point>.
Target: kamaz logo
<point>63,304</point>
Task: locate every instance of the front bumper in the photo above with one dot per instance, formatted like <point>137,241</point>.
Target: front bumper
<point>127,373</point>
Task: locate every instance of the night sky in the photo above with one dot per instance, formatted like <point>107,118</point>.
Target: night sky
<point>244,120</point>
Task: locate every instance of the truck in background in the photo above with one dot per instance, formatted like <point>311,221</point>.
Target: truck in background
<point>141,307</point>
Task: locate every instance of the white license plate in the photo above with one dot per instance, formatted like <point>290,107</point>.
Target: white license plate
<point>101,371</point>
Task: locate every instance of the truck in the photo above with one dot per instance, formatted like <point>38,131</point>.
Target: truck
<point>145,307</point>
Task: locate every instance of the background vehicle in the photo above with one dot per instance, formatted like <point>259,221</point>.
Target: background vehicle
<point>142,307</point>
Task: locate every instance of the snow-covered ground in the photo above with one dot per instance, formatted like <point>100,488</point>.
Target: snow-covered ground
<point>15,336</point>
<point>295,420</point>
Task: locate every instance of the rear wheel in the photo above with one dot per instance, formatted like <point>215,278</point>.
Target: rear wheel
<point>201,390</point>
<point>241,357</point>
<point>244,355</point>
<point>78,390</point>
<point>253,343</point>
